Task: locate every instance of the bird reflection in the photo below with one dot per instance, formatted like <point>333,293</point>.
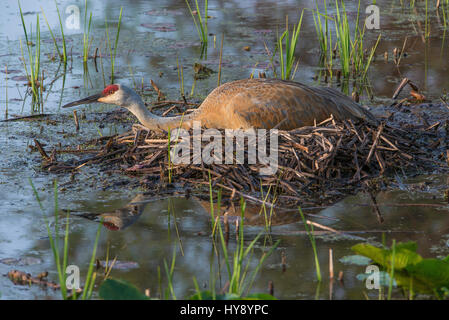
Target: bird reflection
<point>254,214</point>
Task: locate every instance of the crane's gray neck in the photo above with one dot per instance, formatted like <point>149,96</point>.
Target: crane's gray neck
<point>154,122</point>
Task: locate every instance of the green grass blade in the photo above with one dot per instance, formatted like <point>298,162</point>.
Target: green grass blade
<point>52,35</point>
<point>64,48</point>
<point>312,241</point>
<point>89,277</point>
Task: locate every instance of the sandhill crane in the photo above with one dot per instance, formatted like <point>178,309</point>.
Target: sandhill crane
<point>244,104</point>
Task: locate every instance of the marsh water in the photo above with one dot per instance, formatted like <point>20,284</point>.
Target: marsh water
<point>153,36</point>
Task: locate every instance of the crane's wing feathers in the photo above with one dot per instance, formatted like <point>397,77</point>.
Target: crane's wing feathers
<point>270,103</point>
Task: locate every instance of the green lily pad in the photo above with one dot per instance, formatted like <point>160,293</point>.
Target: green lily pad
<point>259,296</point>
<point>403,256</point>
<point>434,272</point>
<point>410,245</point>
<point>430,276</point>
<point>384,278</point>
<point>112,289</point>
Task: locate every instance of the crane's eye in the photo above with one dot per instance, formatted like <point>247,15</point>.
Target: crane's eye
<point>111,92</point>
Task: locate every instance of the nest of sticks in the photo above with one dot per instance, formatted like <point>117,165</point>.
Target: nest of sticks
<point>317,164</point>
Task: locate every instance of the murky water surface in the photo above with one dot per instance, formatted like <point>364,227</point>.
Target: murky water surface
<point>154,35</point>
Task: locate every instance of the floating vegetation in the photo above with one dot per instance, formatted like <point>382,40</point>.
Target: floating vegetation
<point>201,71</point>
<point>26,279</point>
<point>411,271</point>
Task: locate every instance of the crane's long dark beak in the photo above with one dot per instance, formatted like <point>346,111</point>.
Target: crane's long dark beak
<point>87,100</point>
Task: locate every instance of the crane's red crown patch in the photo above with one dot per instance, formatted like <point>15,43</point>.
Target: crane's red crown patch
<point>110,89</point>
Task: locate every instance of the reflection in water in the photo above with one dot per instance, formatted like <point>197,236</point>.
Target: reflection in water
<point>254,215</point>
<point>149,230</point>
<point>123,217</point>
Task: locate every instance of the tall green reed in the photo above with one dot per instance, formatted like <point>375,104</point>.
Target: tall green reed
<point>444,7</point>
<point>53,236</point>
<point>63,55</point>
<point>313,242</point>
<point>180,77</point>
<point>169,272</point>
<point>60,56</point>
<point>200,24</point>
<point>391,274</point>
<point>86,32</point>
<point>64,46</point>
<point>427,27</point>
<point>344,42</point>
<point>6,91</point>
<point>322,28</point>
<point>354,58</point>
<point>34,60</point>
<point>112,54</point>
<point>324,34</point>
<point>287,63</point>
<point>240,279</point>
